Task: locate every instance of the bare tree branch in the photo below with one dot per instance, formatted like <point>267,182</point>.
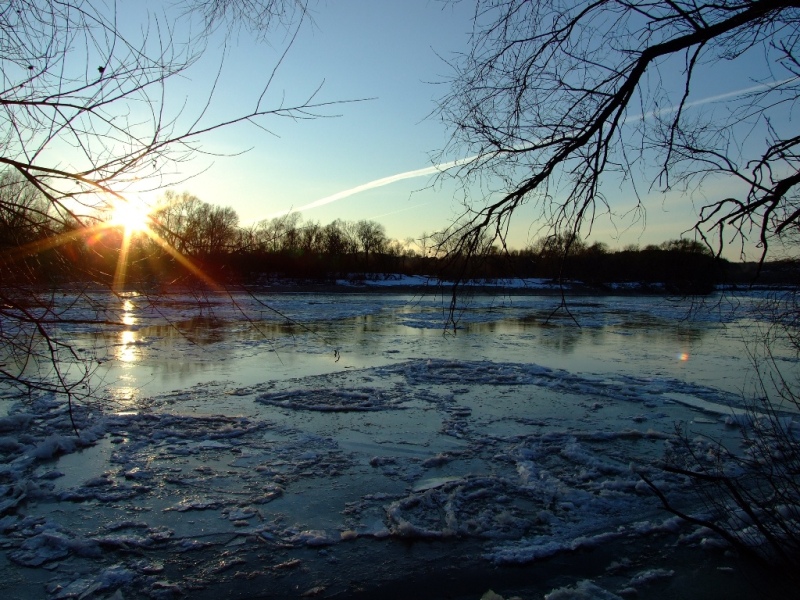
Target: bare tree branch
<point>88,107</point>
<point>545,102</point>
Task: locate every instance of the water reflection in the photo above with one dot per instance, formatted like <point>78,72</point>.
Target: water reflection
<point>127,350</point>
<point>128,318</point>
<point>183,348</point>
<point>124,395</point>
<point>565,336</point>
<point>127,354</point>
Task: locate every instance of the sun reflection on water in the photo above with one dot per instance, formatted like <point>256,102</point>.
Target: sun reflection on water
<point>128,318</point>
<point>125,396</point>
<point>127,352</point>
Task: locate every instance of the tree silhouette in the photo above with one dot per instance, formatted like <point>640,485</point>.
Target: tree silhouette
<point>557,98</point>
<point>88,109</point>
<point>371,237</point>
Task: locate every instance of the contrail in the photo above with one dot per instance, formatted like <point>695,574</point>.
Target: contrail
<point>709,100</point>
<point>433,169</point>
<point>440,168</point>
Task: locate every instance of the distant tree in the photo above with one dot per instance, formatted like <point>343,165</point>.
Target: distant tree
<point>311,238</point>
<point>439,244</point>
<point>217,229</point>
<point>598,248</point>
<point>412,248</point>
<point>396,254</point>
<point>334,240</point>
<point>247,239</point>
<point>351,237</point>
<point>686,245</point>
<point>176,217</point>
<point>558,245</point>
<point>290,233</point>
<point>194,227</point>
<point>278,233</point>
<point>24,223</point>
<point>371,237</point>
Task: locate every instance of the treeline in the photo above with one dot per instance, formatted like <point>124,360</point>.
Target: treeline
<point>43,241</point>
<point>681,266</point>
<point>282,246</point>
<point>215,244</point>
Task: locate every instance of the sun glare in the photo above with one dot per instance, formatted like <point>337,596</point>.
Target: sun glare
<point>133,215</point>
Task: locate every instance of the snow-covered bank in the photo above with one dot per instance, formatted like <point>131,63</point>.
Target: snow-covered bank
<point>516,285</point>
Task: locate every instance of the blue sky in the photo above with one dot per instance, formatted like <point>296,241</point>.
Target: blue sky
<point>391,55</point>
<point>382,53</point>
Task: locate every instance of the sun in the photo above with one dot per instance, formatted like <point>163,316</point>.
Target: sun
<point>132,215</point>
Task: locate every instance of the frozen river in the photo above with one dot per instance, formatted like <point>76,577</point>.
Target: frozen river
<point>181,341</point>
<point>342,445</point>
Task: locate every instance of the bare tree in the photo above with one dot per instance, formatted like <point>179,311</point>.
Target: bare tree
<point>23,211</point>
<point>311,237</point>
<point>371,238</point>
<point>334,241</point>
<point>557,98</point>
<point>174,217</point>
<point>88,109</point>
<point>208,229</point>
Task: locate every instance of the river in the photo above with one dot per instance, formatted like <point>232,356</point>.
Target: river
<point>353,445</point>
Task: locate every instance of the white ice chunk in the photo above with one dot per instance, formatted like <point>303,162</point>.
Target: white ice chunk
<point>583,590</point>
<point>650,575</point>
<point>311,537</point>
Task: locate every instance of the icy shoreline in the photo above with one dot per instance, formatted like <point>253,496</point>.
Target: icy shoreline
<point>397,283</point>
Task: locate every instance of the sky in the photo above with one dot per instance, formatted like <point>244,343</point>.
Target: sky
<point>371,156</point>
<point>383,56</point>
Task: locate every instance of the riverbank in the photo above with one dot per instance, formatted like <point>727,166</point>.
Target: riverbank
<point>418,284</point>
